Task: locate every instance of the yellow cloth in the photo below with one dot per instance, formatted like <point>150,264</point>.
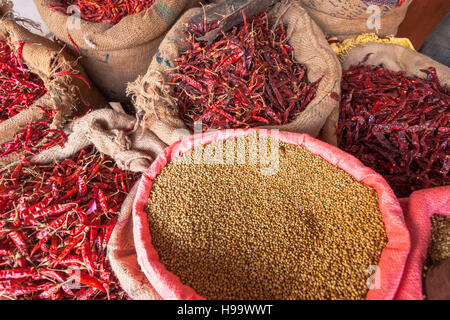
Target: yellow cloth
<point>341,48</point>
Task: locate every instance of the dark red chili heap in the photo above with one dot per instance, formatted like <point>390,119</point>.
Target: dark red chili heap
<point>55,223</point>
<point>108,11</point>
<point>19,88</point>
<point>246,78</point>
<point>397,125</point>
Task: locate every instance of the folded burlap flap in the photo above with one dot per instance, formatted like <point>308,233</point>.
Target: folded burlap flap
<point>152,93</point>
<point>115,54</point>
<point>112,133</point>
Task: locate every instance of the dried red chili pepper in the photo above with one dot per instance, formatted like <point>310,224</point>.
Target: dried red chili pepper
<point>19,241</point>
<point>19,89</point>
<point>33,138</point>
<point>16,273</point>
<point>86,279</point>
<point>398,125</point>
<point>247,78</point>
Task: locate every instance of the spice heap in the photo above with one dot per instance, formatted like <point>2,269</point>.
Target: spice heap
<point>310,231</point>
<point>55,223</point>
<point>439,248</point>
<point>19,88</point>
<point>107,11</point>
<point>36,136</point>
<point>397,125</point>
<point>248,77</point>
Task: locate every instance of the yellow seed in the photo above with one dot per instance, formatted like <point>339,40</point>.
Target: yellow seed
<point>310,231</point>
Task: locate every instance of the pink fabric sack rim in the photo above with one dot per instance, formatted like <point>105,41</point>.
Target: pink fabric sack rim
<point>419,208</point>
<point>169,286</point>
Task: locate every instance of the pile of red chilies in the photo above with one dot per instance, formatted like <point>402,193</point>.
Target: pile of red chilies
<point>248,77</point>
<point>55,224</point>
<point>33,138</point>
<point>397,125</point>
<point>19,88</point>
<point>107,11</point>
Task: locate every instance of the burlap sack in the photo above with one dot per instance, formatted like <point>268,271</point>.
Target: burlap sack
<point>152,93</point>
<point>116,54</point>
<point>391,56</point>
<point>397,58</point>
<point>68,95</point>
<point>348,18</point>
<point>112,133</point>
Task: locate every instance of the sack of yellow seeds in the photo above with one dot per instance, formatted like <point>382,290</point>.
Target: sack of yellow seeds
<point>150,266</point>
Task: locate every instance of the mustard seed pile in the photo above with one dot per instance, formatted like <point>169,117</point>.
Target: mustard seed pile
<point>309,231</point>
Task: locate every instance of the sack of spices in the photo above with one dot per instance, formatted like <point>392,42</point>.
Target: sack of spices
<point>395,115</point>
<point>282,75</point>
<point>427,215</point>
<point>262,214</point>
<point>54,237</point>
<point>42,85</point>
<point>117,41</point>
<point>349,18</point>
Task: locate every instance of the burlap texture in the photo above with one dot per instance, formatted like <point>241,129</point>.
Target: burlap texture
<point>397,58</point>
<point>348,18</point>
<point>109,131</point>
<point>152,92</point>
<point>66,94</point>
<point>116,54</point>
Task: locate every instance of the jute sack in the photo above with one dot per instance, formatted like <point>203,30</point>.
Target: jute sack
<point>123,257</point>
<point>348,18</point>
<point>115,54</point>
<point>152,93</point>
<point>68,95</point>
<point>113,134</point>
<point>422,204</point>
<point>133,150</point>
<point>391,56</point>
